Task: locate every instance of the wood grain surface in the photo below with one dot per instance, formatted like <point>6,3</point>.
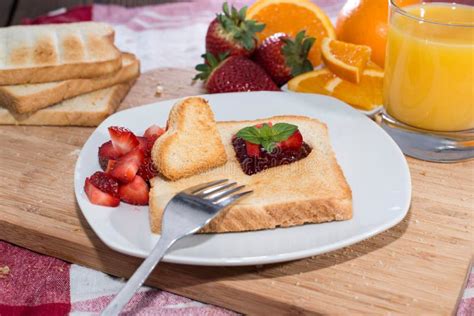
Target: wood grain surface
<point>417,267</point>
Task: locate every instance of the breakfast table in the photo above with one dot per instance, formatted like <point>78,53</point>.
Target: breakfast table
<point>52,262</point>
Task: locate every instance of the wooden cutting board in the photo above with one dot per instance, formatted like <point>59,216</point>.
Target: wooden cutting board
<point>419,266</point>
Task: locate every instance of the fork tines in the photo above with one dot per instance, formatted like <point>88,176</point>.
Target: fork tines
<point>219,192</point>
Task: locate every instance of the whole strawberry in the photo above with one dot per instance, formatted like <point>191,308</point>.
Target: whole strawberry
<point>233,74</point>
<point>284,58</point>
<point>231,33</point>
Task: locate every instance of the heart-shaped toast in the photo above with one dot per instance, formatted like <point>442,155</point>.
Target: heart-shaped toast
<point>192,144</point>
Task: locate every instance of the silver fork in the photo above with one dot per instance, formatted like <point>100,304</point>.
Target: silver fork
<point>186,213</point>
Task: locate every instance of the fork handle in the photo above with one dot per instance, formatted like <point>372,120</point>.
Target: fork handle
<point>137,279</point>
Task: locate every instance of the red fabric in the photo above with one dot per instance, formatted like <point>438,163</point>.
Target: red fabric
<point>75,14</point>
<point>52,309</point>
<point>32,284</point>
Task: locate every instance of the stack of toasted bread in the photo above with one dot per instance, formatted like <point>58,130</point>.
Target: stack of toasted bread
<point>64,74</point>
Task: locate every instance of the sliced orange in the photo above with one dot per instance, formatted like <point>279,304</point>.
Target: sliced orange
<point>290,17</point>
<point>366,95</point>
<point>345,60</point>
<point>364,22</point>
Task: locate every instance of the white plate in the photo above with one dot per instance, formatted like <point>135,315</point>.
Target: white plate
<point>369,113</point>
<point>372,163</point>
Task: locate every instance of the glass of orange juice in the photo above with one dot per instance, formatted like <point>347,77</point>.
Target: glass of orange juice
<point>429,79</point>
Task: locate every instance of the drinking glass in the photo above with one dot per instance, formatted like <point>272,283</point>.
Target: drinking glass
<point>428,85</point>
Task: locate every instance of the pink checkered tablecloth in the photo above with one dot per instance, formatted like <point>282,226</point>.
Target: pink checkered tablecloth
<point>167,35</point>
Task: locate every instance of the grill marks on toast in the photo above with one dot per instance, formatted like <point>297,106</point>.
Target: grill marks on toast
<point>74,47</point>
<point>43,65</point>
<point>45,53</point>
<point>17,49</point>
<point>57,48</point>
<point>96,46</point>
<point>28,50</point>
<point>19,56</point>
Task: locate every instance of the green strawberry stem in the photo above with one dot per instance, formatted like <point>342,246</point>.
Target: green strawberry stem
<point>211,62</point>
<point>233,22</point>
<point>296,53</point>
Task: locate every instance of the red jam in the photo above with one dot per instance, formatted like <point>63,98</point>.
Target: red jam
<point>251,165</point>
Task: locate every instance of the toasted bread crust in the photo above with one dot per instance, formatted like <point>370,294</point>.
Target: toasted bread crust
<point>201,139</point>
<point>60,72</point>
<point>78,117</point>
<point>242,218</point>
<point>63,90</point>
<point>90,54</point>
<point>299,203</point>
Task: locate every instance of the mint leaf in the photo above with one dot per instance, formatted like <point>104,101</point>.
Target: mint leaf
<point>282,131</point>
<point>267,136</point>
<point>266,132</point>
<point>268,145</point>
<point>250,134</point>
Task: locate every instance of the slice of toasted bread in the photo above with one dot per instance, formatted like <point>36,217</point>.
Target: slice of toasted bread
<point>311,190</point>
<point>85,110</point>
<point>55,52</point>
<point>191,144</point>
<point>32,97</point>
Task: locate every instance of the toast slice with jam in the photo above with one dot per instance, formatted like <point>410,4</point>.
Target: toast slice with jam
<point>296,181</point>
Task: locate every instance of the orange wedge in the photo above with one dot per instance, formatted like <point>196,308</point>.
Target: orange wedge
<point>345,60</point>
<point>290,17</point>
<point>366,95</point>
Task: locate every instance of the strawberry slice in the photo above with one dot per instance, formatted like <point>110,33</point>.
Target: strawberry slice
<point>146,145</point>
<point>127,166</point>
<point>150,143</point>
<point>147,169</point>
<point>293,142</point>
<point>102,190</point>
<point>143,145</point>
<point>123,139</point>
<point>105,183</point>
<point>253,150</point>
<point>153,132</point>
<point>135,192</point>
<point>110,165</point>
<point>98,197</point>
<point>107,152</point>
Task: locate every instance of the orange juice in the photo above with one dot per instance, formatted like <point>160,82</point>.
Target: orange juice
<point>429,67</point>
